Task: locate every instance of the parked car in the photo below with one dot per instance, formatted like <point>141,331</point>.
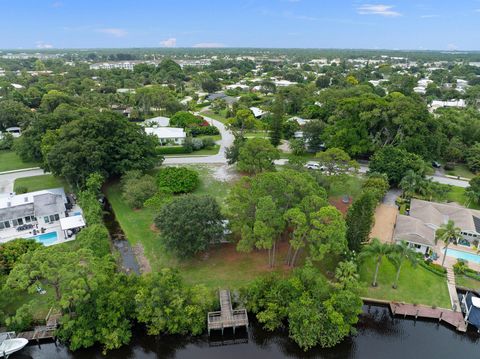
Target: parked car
<point>314,166</point>
<point>436,164</point>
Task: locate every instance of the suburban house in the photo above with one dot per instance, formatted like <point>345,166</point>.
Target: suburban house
<point>168,135</point>
<point>419,227</point>
<point>258,112</point>
<point>452,103</point>
<point>158,121</point>
<point>229,100</point>
<point>28,214</point>
<point>301,121</point>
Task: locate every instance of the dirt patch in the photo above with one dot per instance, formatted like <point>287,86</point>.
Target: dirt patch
<point>142,260</point>
<point>228,253</point>
<point>385,218</point>
<point>224,173</point>
<point>154,228</point>
<point>338,203</point>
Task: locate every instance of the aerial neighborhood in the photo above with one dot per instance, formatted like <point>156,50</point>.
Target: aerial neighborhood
<point>201,192</point>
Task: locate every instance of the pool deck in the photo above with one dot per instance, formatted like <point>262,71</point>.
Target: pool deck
<point>11,234</point>
<point>450,261</point>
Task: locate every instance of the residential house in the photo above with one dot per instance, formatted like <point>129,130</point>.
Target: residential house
<point>452,103</point>
<point>419,227</point>
<point>168,135</point>
<point>258,112</point>
<point>158,121</point>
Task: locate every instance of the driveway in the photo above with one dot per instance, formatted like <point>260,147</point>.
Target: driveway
<point>8,178</point>
<point>225,142</point>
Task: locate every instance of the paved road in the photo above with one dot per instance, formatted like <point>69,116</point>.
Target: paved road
<point>7,179</point>
<point>226,141</point>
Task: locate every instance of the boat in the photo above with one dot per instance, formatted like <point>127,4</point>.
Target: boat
<point>9,344</point>
<point>471,308</point>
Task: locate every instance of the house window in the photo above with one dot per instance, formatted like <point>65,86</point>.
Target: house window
<point>17,222</point>
<point>417,246</point>
<point>54,217</point>
<point>4,225</point>
<point>28,219</point>
<point>46,219</point>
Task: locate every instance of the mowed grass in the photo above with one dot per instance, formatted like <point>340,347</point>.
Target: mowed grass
<point>467,282</point>
<point>37,183</point>
<point>457,194</point>
<point>10,161</point>
<point>416,284</point>
<point>462,171</point>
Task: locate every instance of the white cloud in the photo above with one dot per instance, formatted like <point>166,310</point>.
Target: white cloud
<point>171,42</point>
<point>113,32</point>
<point>208,44</point>
<point>378,9</point>
<point>43,45</point>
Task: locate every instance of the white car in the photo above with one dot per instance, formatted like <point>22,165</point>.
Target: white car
<point>314,166</point>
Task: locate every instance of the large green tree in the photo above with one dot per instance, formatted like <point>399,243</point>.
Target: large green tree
<point>189,224</point>
<point>360,218</point>
<point>107,144</point>
<point>257,155</point>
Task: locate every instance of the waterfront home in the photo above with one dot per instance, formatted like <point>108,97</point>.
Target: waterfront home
<point>419,227</point>
<point>39,215</point>
<point>168,135</point>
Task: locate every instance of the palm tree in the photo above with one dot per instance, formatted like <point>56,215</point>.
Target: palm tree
<point>377,250</point>
<point>447,233</point>
<point>400,253</point>
<point>410,183</point>
<point>346,274</point>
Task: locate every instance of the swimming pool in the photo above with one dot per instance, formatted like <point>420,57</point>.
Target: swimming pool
<point>46,238</point>
<point>471,257</point>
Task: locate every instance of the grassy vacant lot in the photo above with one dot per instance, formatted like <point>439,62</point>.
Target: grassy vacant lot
<point>37,183</point>
<point>220,266</point>
<point>9,161</point>
<point>41,302</point>
<point>416,285</point>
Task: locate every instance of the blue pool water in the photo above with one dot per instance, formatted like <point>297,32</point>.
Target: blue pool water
<point>463,255</point>
<point>46,238</point>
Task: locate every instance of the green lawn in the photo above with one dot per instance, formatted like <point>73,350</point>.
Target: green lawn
<point>41,303</point>
<point>467,282</point>
<point>9,161</point>
<point>345,185</point>
<point>462,171</point>
<point>216,116</point>
<point>457,194</point>
<point>257,134</point>
<point>37,183</point>
<point>206,152</point>
<point>416,285</point>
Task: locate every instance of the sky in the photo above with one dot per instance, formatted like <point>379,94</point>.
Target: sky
<point>389,24</point>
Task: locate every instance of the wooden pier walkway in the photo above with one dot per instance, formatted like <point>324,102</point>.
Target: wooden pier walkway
<point>41,332</point>
<point>226,317</point>
<point>449,316</point>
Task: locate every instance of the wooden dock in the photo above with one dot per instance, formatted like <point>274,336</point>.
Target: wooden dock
<point>449,316</point>
<point>43,332</point>
<point>226,317</point>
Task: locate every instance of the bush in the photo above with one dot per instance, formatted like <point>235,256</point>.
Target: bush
<point>197,144</point>
<point>208,142</point>
<point>185,119</point>
<point>434,268</point>
<point>460,267</point>
<point>204,131</point>
<point>135,191</point>
<point>178,179</point>
<point>6,142</point>
<point>171,150</point>
<point>162,197</point>
<point>449,166</point>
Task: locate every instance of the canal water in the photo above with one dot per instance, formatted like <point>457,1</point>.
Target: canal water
<point>127,259</point>
<point>378,336</point>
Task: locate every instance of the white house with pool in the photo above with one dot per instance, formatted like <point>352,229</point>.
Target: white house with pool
<point>419,226</point>
<point>49,216</point>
